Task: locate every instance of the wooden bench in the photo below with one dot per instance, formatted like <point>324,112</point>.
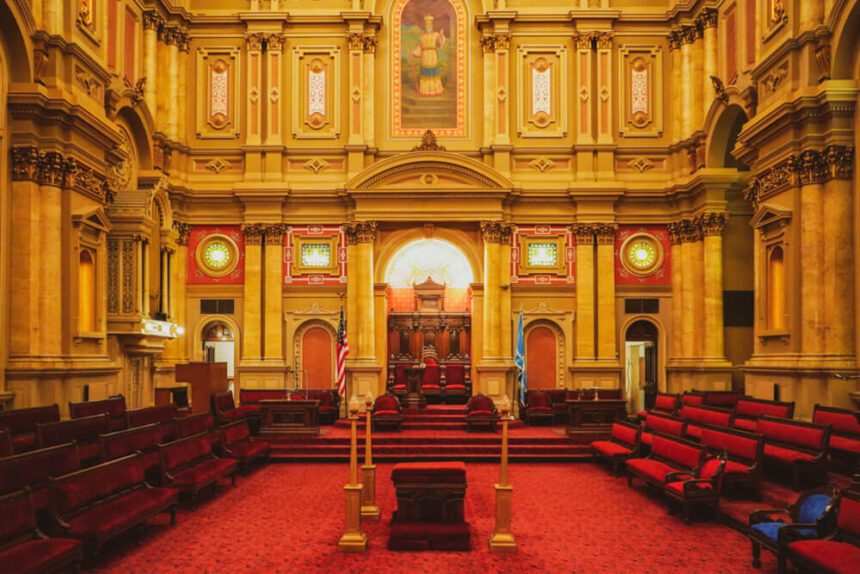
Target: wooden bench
<point>747,410</point>
<point>668,454</point>
<point>144,440</point>
<point>698,416</point>
<point>114,407</point>
<point>32,469</point>
<point>85,432</point>
<point>839,551</point>
<point>161,414</point>
<point>623,443</point>
<point>99,503</point>
<point>189,465</point>
<point>197,424</point>
<point>744,452</point>
<point>844,444</point>
<point>238,444</point>
<point>664,403</point>
<point>797,446</point>
<point>657,422</point>
<point>21,424</point>
<point>5,443</point>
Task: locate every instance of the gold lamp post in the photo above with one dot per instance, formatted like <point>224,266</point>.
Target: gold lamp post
<point>369,509</point>
<point>353,539</point>
<point>502,539</point>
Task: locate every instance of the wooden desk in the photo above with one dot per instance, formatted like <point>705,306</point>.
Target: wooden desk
<point>414,398</point>
<point>279,417</point>
<point>592,420</point>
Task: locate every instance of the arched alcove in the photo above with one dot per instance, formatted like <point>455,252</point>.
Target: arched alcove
<point>724,136</point>
<point>543,344</point>
<point>316,353</point>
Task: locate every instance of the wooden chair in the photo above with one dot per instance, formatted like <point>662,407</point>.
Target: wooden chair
<point>387,412</point>
<point>481,412</point>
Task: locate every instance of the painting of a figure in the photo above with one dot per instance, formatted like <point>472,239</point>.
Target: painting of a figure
<point>429,67</point>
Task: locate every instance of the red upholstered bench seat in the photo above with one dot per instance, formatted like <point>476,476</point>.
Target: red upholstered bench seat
<point>623,442</point>
<point>845,444</point>
<point>455,387</point>
<point>21,424</point>
<point>386,413</point>
<point>113,515</point>
<point>745,424</point>
<point>696,416</point>
<point>85,431</point>
<point>479,413</point>
<point>239,445</point>
<point>113,407</point>
<point>668,454</point>
<point>786,454</point>
<point>664,403</point>
<point>202,474</point>
<point>189,465</point>
<point>744,454</point>
<point>609,448</point>
<point>799,446</point>
<point>658,422</point>
<point>429,472</point>
<point>830,556</point>
<point>398,387</point>
<point>432,387</point>
<point>747,410</point>
<point>32,469</point>
<point>149,415</point>
<point>654,469</point>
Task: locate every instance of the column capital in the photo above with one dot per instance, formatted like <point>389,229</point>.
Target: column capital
<point>496,231</point>
<point>604,39</point>
<point>604,233</point>
<point>184,231</point>
<point>361,232</point>
<point>275,233</point>
<point>675,40</point>
<point>170,35</point>
<point>691,231</point>
<point>365,42</point>
<point>254,41</point>
<point>708,18</point>
<point>584,233</point>
<point>584,40</point>
<point>275,42</point>
<point>25,163</point>
<point>674,228</point>
<point>152,20</point>
<point>52,169</point>
<point>253,233</point>
<point>712,223</point>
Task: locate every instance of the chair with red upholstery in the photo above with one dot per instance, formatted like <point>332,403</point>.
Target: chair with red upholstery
<point>398,385</point>
<point>698,416</point>
<point>21,424</point>
<point>431,379</point>
<point>747,410</point>
<point>559,404</point>
<point>238,444</point>
<point>701,488</point>
<point>144,440</point>
<point>387,412</point>
<point>538,407</point>
<point>5,443</point>
<point>744,452</point>
<point>668,454</point>
<point>623,443</point>
<point>32,470</point>
<point>114,407</point>
<point>455,387</point>
<point>481,412</point>
<point>85,432</point>
<point>796,446</point>
<point>329,409</point>
<point>844,445</point>
<point>810,517</point>
<point>657,422</point>
<point>189,465</point>
<point>838,552</point>
<point>664,403</point>
<point>96,504</point>
<point>23,547</point>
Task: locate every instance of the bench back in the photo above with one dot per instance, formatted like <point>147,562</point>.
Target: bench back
<point>193,425</point>
<point>5,443</point>
<point>33,468</point>
<point>17,519</point>
<point>114,407</point>
<point>180,453</point>
<point>752,408</point>
<point>149,415</point>
<point>656,422</point>
<point>222,402</point>
<point>666,403</point>
<point>677,452</point>
<point>799,435</point>
<point>741,446</point>
<point>538,399</point>
<point>626,433</point>
<point>706,415</point>
<point>84,430</point>
<point>481,403</point>
<point>235,432</point>
<point>126,442</point>
<point>80,489</point>
<point>254,396</point>
<point>386,402</point>
<point>848,518</point>
<point>841,421</point>
<point>19,421</point>
<point>692,398</point>
<point>723,399</point>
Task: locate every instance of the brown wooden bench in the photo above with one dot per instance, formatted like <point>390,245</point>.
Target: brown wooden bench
<point>21,424</point>
<point>85,432</point>
<point>797,446</point>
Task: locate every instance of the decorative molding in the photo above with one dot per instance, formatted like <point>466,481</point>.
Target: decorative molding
<point>53,169</point>
<point>361,232</point>
<point>604,233</point>
<point>720,90</point>
<point>641,163</point>
<point>429,142</point>
<point>542,164</point>
<point>806,168</point>
<point>496,231</point>
<point>316,85</point>
<point>183,230</point>
<point>274,233</point>
<point>584,233</point>
<point>316,165</point>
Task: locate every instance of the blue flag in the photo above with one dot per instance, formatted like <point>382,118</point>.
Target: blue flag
<point>520,360</point>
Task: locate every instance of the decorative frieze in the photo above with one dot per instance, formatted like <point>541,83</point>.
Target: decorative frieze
<point>52,168</point>
<point>361,232</point>
<point>806,168</point>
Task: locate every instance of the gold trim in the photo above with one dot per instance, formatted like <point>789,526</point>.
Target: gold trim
<point>332,268</point>
<point>560,267</point>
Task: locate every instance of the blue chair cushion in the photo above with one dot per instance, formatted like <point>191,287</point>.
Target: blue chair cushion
<point>771,530</point>
<point>813,508</point>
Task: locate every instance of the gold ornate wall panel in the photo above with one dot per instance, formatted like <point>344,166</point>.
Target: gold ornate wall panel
<point>317,88</point>
<point>218,82</point>
<point>641,86</point>
<point>542,91</point>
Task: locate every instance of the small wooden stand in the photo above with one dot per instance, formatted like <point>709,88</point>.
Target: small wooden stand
<point>414,398</point>
<point>279,417</point>
<point>353,539</point>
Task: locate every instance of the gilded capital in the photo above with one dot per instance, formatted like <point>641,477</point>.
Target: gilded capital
<point>712,223</point>
<point>691,231</point>
<point>604,233</point>
<point>275,42</point>
<point>496,231</point>
<point>275,233</point>
<point>675,40</point>
<point>604,40</point>
<point>708,18</point>
<point>584,40</point>
<point>151,20</point>
<point>253,234</point>
<point>584,233</point>
<point>360,232</point>
<point>184,231</point>
<point>675,232</point>
<point>25,163</point>
<point>254,41</point>
<point>356,41</point>
<point>52,169</point>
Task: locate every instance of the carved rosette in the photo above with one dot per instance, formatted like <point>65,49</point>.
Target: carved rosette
<point>254,234</point>
<point>496,231</point>
<point>361,232</point>
<point>184,232</point>
<point>275,233</point>
<point>712,223</point>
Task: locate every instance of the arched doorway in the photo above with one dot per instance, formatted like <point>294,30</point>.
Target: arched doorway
<point>541,357</point>
<point>317,357</point>
<point>641,365</point>
<point>219,346</point>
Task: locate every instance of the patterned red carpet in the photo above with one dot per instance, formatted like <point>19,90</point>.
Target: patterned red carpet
<point>567,518</point>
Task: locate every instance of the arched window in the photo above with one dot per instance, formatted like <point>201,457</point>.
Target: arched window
<point>86,292</point>
<point>776,289</point>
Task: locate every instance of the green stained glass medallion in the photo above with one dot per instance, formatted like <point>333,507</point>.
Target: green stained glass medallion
<point>642,255</point>
<point>316,255</point>
<point>542,254</point>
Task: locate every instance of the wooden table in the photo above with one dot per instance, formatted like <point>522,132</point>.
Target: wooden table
<point>414,398</point>
<point>592,420</point>
<point>281,417</point>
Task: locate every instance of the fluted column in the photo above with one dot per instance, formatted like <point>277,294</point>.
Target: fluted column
<point>355,117</point>
<point>505,311</point>
<point>676,347</point>
<point>252,315</point>
<point>585,289</point>
<point>360,284</point>
<point>273,293</point>
<point>606,338</point>
<point>712,228</point>
<point>151,22</point>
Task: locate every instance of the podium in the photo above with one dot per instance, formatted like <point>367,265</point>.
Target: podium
<point>205,379</point>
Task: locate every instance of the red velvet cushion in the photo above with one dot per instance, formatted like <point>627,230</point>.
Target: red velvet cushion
<point>90,453</point>
<point>431,387</point>
<point>665,403</point>
<point>653,469</point>
<point>481,403</point>
<point>480,414</point>
<point>386,413</point>
<point>829,556</point>
<point>232,415</point>
<point>249,449</point>
<point>251,409</point>
<point>204,473</point>
<point>540,409</point>
<point>24,442</point>
<point>149,415</point>
<point>22,421</point>
<point>124,510</point>
<point>624,433</point>
<point>455,375</point>
<point>647,438</point>
<point>432,375</point>
<point>40,555</point>
<point>716,418</point>
<point>609,448</point>
<point>745,424</point>
<point>842,422</point>
<point>399,387</point>
<point>678,486</point>
<point>663,424</point>
<point>194,424</point>
<point>785,454</point>
<point>685,455</point>
<point>753,409</point>
<point>791,433</point>
<point>88,487</point>
<point>743,447</point>
<point>733,467</point>
<point>183,452</point>
<point>849,516</point>
<point>689,399</point>
<point>225,402</point>
<point>845,444</point>
<point>642,414</point>
<point>429,472</point>
<point>455,387</point>
<point>694,431</point>
<point>710,468</point>
<point>235,433</point>
<point>123,443</point>
<point>85,430</point>
<point>386,403</point>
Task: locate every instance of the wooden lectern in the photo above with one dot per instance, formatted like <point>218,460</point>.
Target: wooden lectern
<point>205,379</point>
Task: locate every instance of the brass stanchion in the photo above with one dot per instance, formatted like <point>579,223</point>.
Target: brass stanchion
<point>353,539</point>
<point>369,509</point>
<point>502,539</point>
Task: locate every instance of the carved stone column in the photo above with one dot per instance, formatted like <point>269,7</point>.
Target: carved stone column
<point>274,95</point>
<point>172,38</point>
<point>688,36</point>
<point>690,234</point>
<point>252,316</point>
<point>369,130</point>
<point>698,78</point>
<point>585,290</point>
<point>357,95</point>
<point>179,276</point>
<point>254,50</point>
<point>273,319</point>
<point>607,349</point>
<point>502,91</point>
<point>182,124</point>
<point>709,19</point>
<point>676,90</point>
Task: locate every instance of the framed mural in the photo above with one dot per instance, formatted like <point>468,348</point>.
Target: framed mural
<point>429,68</point>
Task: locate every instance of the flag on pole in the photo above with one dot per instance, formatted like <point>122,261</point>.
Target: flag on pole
<point>342,354</point>
<point>520,360</point>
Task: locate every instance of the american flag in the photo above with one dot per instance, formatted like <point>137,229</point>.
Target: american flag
<point>342,354</point>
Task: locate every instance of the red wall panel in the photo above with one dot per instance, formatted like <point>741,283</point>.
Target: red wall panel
<point>663,276</point>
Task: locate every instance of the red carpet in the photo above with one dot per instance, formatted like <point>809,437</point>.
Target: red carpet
<point>567,518</point>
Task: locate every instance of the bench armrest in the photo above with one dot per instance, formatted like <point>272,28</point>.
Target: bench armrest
<point>763,515</point>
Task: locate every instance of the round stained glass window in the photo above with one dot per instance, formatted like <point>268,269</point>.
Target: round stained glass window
<point>217,255</point>
<point>642,254</point>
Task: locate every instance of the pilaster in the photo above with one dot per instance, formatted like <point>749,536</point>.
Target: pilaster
<point>252,336</point>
